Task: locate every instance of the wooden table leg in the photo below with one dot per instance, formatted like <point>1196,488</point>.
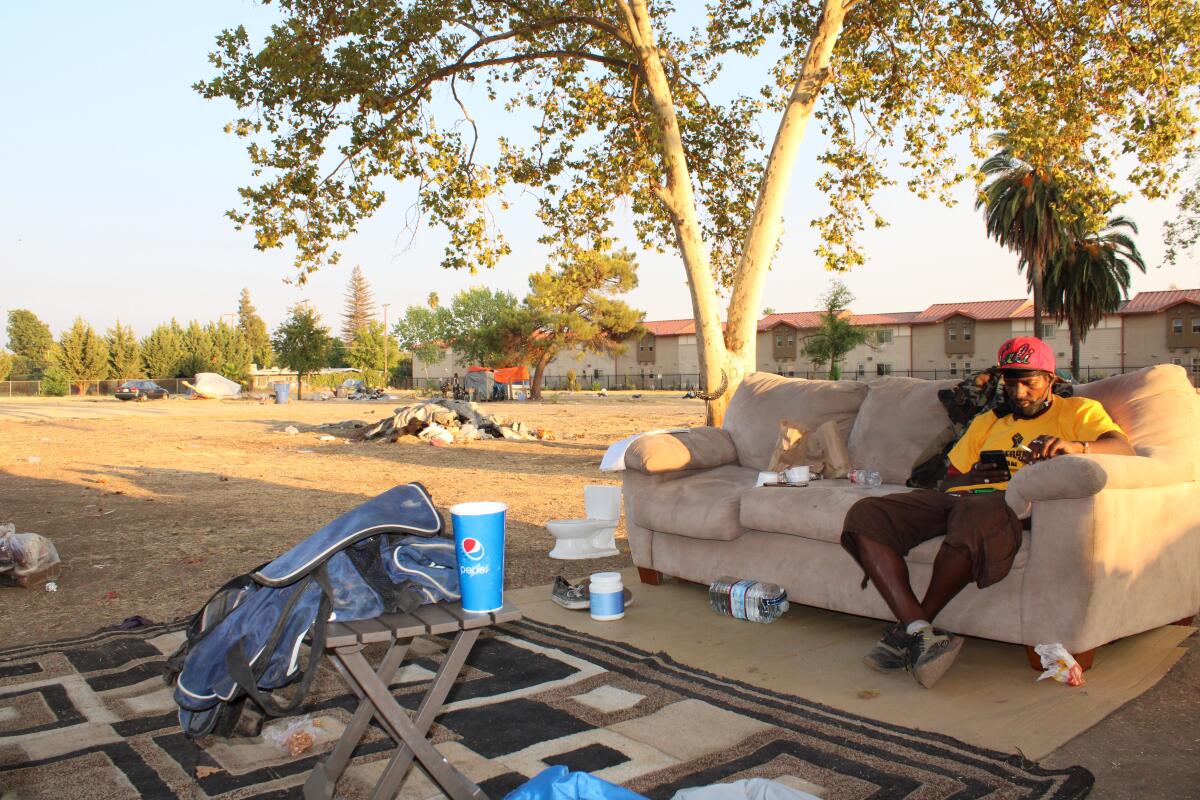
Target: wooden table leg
<point>450,780</point>
<point>389,783</point>
<point>320,784</point>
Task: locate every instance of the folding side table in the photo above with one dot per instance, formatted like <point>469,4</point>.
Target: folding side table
<point>345,642</point>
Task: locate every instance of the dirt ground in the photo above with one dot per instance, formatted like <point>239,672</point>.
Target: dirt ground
<point>153,506</point>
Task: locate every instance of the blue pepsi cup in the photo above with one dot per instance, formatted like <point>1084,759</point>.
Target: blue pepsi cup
<point>479,545</point>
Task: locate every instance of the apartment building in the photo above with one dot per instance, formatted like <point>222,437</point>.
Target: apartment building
<point>942,341</point>
<point>1162,328</point>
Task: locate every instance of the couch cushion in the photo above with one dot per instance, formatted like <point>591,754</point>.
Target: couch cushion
<point>702,505</point>
<point>763,400</point>
<point>900,424</point>
<point>1158,410</point>
<point>698,448</point>
<point>815,511</point>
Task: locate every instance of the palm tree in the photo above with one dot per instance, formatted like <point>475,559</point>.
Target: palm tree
<point>1089,277</point>
<point>1022,209</point>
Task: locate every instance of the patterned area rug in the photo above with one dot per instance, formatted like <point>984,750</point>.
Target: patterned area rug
<point>91,718</point>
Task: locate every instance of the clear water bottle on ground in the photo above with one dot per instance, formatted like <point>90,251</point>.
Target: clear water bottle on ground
<point>865,477</point>
<point>746,599</point>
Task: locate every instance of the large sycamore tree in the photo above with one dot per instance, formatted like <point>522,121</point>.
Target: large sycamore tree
<point>590,105</point>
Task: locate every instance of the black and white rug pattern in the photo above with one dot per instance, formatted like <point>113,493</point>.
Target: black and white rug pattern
<point>91,718</point>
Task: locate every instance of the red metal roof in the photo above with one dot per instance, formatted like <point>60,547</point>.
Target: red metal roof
<point>983,310</point>
<point>894,318</point>
<point>670,327</point>
<point>1153,302</point>
<point>797,319</point>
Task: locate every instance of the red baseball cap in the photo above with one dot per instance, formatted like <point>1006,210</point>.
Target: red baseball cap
<point>1026,352</point>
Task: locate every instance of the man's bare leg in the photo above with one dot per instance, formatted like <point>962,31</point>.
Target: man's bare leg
<point>887,570</point>
<point>951,574</point>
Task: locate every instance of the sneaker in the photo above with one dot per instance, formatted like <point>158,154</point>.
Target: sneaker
<point>932,652</point>
<point>568,596</point>
<point>891,653</point>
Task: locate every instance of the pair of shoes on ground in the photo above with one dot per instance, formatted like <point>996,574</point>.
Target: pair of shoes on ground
<point>577,596</point>
<point>928,653</point>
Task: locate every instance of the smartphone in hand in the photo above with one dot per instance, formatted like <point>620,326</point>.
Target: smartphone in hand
<point>998,459</point>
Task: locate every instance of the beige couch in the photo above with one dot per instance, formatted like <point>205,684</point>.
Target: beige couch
<point>1115,542</point>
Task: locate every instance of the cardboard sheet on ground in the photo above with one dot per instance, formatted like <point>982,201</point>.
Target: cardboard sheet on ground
<point>989,698</point>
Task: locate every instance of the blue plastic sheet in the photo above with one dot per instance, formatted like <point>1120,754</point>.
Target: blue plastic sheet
<point>559,783</point>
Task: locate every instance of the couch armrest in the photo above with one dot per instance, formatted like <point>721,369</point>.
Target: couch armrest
<point>1074,477</point>
<point>696,448</point>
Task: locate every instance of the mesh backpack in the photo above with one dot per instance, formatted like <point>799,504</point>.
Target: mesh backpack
<point>389,554</point>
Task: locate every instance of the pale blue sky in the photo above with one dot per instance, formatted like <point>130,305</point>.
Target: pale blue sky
<point>118,175</point>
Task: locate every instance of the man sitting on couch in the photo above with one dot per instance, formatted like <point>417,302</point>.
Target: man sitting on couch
<point>982,532</point>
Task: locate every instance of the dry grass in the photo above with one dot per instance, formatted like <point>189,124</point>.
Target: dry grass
<point>153,506</point>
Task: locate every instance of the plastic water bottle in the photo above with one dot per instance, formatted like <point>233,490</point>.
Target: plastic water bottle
<point>865,477</point>
<point>746,599</point>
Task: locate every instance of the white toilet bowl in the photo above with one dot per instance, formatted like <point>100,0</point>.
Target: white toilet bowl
<point>592,537</point>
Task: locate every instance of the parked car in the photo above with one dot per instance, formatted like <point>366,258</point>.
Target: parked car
<point>141,391</point>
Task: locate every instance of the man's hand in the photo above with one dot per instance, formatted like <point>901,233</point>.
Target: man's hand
<point>1044,447</point>
<point>987,472</point>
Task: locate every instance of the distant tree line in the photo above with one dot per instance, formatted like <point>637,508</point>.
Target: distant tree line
<point>171,350</point>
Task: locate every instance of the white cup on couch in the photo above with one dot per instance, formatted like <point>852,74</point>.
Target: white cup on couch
<point>797,475</point>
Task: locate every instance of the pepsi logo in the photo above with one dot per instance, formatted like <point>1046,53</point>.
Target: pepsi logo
<point>472,548</point>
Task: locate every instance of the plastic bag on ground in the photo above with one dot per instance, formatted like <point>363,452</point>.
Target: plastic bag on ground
<point>26,558</point>
<point>559,783</point>
<point>1059,664</point>
<point>295,737</point>
<point>752,789</point>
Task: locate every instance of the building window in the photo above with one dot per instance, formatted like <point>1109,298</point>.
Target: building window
<point>967,368</point>
<point>1195,363</point>
<point>1048,330</point>
<point>862,370</point>
<point>1177,327</point>
<point>779,340</point>
<point>953,367</point>
<point>791,340</point>
<point>1195,325</point>
<point>1177,362</point>
<point>966,334</point>
<point>952,333</point>
<point>883,369</point>
<point>885,336</point>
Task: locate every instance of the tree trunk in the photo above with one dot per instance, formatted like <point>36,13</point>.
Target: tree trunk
<point>1038,269</point>
<point>679,201</point>
<point>725,357</point>
<point>1075,342</point>
<point>539,373</point>
<point>299,385</point>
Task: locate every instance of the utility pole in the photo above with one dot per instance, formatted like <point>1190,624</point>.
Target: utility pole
<point>387,383</point>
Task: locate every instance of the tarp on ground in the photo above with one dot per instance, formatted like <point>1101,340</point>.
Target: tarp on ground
<point>210,384</point>
<point>511,374</point>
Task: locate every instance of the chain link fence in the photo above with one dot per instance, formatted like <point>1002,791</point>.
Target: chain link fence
<point>686,381</point>
<point>105,388</point>
<point>667,382</point>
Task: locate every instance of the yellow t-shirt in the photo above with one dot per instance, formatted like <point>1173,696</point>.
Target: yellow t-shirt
<point>1078,419</point>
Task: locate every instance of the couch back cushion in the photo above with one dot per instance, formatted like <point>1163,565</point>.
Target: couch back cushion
<point>900,424</point>
<point>763,400</point>
<point>1157,407</point>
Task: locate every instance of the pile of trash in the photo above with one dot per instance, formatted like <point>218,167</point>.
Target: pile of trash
<point>443,421</point>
